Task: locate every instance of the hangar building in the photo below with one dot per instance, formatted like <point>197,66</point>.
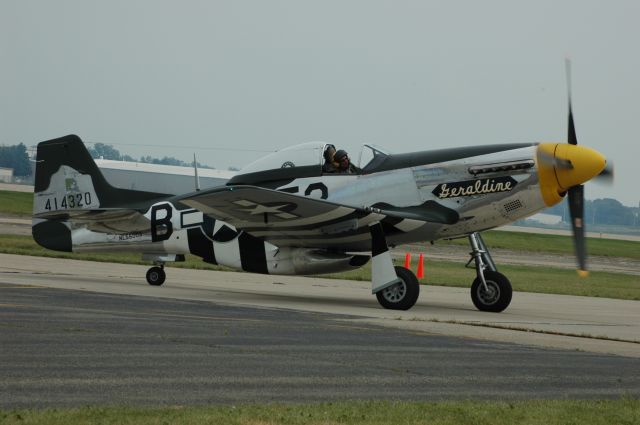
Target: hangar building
<point>168,179</point>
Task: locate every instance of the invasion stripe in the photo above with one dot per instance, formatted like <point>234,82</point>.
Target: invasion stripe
<point>200,245</point>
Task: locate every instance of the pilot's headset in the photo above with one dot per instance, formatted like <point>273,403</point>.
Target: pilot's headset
<point>340,155</point>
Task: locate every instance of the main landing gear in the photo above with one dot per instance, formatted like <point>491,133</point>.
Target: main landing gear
<point>491,290</point>
<point>396,288</point>
<point>156,275</point>
<point>401,295</point>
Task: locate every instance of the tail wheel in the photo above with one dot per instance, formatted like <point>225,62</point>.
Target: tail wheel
<point>156,276</point>
<point>402,295</point>
<point>497,295</point>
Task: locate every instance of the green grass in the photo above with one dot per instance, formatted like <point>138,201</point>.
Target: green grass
<point>548,412</point>
<point>444,273</point>
<point>25,245</point>
<point>16,203</point>
<point>544,280</point>
<point>533,242</point>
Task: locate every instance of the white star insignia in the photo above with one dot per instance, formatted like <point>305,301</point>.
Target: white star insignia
<point>255,209</point>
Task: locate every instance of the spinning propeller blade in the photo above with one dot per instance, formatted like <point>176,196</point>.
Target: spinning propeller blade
<point>576,193</point>
<point>606,175</point>
<point>571,137</point>
<point>576,209</point>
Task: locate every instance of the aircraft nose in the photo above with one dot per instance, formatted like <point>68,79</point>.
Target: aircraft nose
<point>586,163</point>
<point>561,166</point>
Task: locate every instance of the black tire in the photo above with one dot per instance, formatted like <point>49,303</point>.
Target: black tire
<point>499,296</point>
<point>156,276</point>
<point>402,295</point>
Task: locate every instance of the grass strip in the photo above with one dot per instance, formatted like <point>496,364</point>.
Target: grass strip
<point>441,273</point>
<point>16,203</point>
<point>625,411</point>
<point>553,244</point>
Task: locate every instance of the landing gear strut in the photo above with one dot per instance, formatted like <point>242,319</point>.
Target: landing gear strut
<point>156,275</point>
<point>491,290</point>
<point>396,288</point>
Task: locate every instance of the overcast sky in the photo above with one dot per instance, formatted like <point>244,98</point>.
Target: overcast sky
<point>229,80</point>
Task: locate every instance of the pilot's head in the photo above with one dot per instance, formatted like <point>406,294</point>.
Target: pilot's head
<point>342,158</point>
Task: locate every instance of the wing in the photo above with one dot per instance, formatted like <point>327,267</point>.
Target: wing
<point>285,219</point>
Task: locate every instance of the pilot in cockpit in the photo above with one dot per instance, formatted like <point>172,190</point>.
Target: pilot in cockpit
<point>344,163</point>
<point>338,162</point>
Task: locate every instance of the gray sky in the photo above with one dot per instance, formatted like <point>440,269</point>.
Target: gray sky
<point>210,76</point>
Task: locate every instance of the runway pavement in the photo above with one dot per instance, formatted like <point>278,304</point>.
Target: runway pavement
<point>76,332</point>
<point>61,347</point>
<point>584,323</point>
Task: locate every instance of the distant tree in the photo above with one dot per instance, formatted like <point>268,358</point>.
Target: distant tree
<point>599,211</point>
<point>557,209</point>
<point>100,150</point>
<point>15,157</point>
<point>200,165</point>
<point>109,152</point>
<point>169,160</point>
<point>609,211</point>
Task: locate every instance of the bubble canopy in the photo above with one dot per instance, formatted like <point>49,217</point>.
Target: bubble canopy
<point>298,161</point>
<point>302,155</point>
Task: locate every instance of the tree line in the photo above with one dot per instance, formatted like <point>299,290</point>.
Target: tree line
<point>101,150</point>
<point>16,157</point>
<point>605,211</point>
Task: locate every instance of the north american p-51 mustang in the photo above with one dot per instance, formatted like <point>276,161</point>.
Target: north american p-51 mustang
<point>282,215</point>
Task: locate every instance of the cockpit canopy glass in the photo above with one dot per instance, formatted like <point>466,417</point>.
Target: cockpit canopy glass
<point>307,159</point>
<point>303,155</point>
<point>371,156</point>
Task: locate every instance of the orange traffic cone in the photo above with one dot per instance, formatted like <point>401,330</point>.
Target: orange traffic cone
<point>420,273</point>
<point>407,260</point>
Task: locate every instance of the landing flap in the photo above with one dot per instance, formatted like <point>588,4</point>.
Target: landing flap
<point>100,220</point>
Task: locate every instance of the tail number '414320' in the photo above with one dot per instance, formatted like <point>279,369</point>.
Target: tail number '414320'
<point>72,200</point>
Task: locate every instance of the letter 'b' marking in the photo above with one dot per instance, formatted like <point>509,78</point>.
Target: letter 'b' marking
<point>161,228</point>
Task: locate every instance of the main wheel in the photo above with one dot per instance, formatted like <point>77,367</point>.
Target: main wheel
<point>497,297</point>
<point>402,295</point>
<point>156,276</point>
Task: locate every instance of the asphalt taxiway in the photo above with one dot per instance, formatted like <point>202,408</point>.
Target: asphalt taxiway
<point>75,333</point>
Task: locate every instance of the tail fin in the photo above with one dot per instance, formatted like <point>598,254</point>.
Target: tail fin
<point>68,182</point>
<point>68,178</point>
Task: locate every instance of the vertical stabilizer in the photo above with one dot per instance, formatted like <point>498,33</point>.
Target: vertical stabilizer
<point>68,182</point>
<point>68,178</point>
